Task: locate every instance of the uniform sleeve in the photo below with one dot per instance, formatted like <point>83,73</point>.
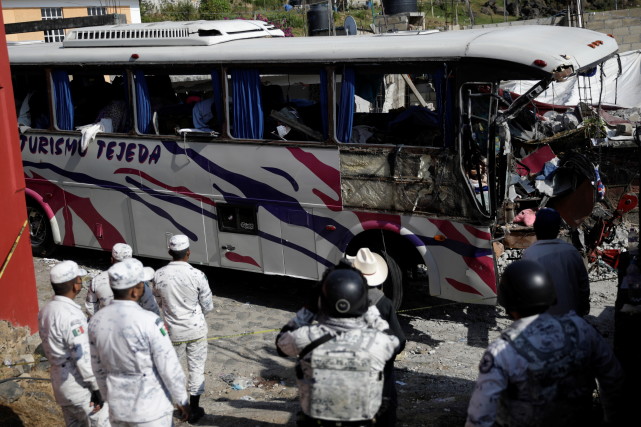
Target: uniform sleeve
<point>374,320</point>
<point>391,346</point>
<point>96,363</point>
<point>491,382</point>
<point>91,301</point>
<point>293,342</point>
<point>156,293</point>
<point>166,362</point>
<point>303,317</point>
<point>148,301</point>
<point>204,294</point>
<point>610,377</point>
<point>77,340</point>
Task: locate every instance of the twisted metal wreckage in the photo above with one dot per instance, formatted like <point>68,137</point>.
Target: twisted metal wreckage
<point>576,148</point>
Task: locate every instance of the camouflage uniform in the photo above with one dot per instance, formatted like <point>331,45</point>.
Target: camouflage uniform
<point>135,365</point>
<point>541,371</point>
<point>99,295</point>
<point>63,330</point>
<point>380,345</point>
<point>184,297</point>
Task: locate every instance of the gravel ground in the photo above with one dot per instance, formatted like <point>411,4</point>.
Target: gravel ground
<point>248,384</point>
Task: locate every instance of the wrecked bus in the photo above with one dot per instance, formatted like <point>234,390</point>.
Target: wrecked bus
<point>281,155</point>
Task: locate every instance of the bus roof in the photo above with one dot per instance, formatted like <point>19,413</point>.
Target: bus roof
<point>545,49</point>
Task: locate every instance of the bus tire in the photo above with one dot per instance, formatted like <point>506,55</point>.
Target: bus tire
<point>39,230</point>
<point>393,285</point>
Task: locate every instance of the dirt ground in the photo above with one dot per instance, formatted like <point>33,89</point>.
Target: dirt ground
<point>248,384</point>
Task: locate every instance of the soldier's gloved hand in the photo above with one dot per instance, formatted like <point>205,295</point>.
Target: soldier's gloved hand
<point>184,412</point>
<point>96,400</point>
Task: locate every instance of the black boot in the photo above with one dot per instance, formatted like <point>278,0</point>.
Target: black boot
<point>196,412</point>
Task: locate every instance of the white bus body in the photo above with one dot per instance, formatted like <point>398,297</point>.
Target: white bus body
<point>283,204</point>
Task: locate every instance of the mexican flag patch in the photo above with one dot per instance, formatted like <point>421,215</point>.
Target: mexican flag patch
<point>161,326</point>
<point>78,331</point>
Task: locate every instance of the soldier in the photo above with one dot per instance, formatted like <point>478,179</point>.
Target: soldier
<point>348,333</point>
<point>135,364</point>
<point>541,370</point>
<point>184,297</point>
<point>63,330</point>
<point>563,263</point>
<point>375,270</point>
<point>99,293</point>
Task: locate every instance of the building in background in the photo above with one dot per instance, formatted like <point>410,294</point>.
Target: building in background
<point>14,11</point>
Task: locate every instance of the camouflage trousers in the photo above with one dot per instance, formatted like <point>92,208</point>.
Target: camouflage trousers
<point>196,352</point>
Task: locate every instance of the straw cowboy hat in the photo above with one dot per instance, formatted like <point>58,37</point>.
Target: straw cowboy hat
<point>371,264</point>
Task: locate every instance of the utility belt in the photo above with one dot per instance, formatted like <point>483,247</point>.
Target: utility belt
<point>304,420</point>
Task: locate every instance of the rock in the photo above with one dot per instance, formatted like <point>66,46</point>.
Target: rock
<point>10,391</point>
<point>43,366</point>
<point>486,11</point>
<point>33,344</point>
<point>26,361</point>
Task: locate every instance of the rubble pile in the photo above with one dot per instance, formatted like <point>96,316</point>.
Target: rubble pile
<point>632,115</point>
<point>582,161</point>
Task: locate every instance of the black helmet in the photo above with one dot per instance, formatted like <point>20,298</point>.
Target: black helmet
<point>344,293</point>
<point>525,287</point>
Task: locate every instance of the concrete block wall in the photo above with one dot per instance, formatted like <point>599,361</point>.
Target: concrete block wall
<point>624,25</point>
<point>399,22</point>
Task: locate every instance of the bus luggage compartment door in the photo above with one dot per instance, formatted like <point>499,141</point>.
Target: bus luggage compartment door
<point>238,240</point>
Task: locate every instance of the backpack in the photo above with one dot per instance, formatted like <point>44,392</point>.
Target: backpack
<point>340,383</point>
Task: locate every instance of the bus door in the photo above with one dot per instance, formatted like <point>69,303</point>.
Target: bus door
<point>238,240</point>
<point>479,105</point>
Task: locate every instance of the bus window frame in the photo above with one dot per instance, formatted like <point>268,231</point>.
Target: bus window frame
<point>406,68</point>
<point>279,69</point>
<point>80,70</point>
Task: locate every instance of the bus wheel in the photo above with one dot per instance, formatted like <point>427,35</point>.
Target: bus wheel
<point>39,230</point>
<point>393,285</point>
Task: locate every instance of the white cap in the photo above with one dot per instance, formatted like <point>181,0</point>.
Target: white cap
<point>371,264</point>
<point>121,251</point>
<point>128,273</point>
<point>65,271</point>
<point>178,242</point>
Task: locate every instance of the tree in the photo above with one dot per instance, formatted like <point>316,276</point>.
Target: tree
<point>213,9</point>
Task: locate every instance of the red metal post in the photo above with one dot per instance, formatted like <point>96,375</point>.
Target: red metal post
<point>18,293</point>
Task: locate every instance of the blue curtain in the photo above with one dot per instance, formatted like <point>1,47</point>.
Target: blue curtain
<point>444,89</point>
<point>143,104</point>
<point>247,107</point>
<point>62,100</point>
<point>218,97</point>
<point>346,107</point>
<point>323,102</point>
